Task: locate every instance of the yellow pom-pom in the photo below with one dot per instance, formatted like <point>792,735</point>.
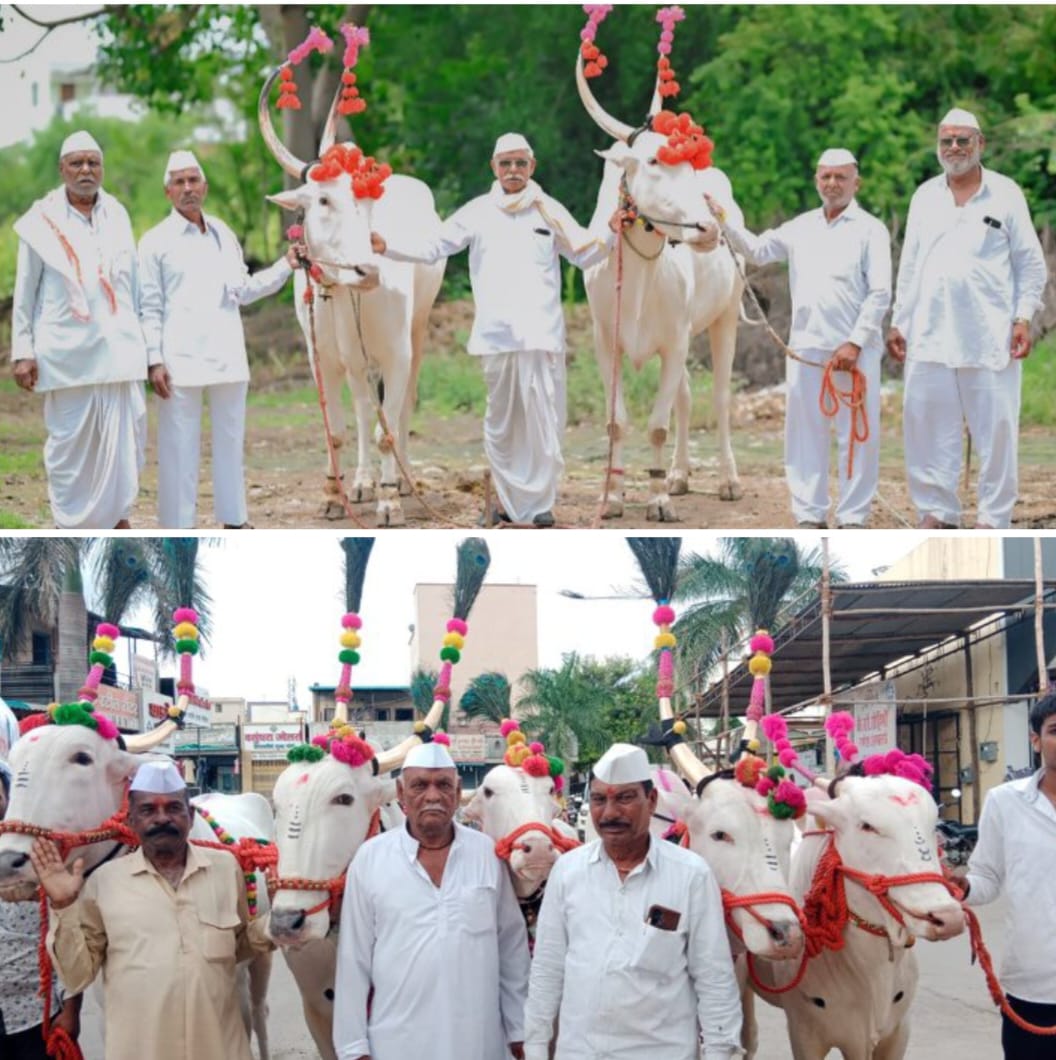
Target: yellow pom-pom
<point>759,665</point>
<point>52,707</point>
<point>515,737</point>
<point>186,631</point>
<point>103,644</point>
<point>679,727</point>
<point>419,727</point>
<point>664,640</point>
<point>454,640</point>
<point>517,755</point>
<point>174,711</point>
<point>753,746</point>
<point>350,639</point>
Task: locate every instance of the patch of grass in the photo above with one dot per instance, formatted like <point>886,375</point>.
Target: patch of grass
<point>1039,386</point>
<point>10,521</point>
<point>21,461</point>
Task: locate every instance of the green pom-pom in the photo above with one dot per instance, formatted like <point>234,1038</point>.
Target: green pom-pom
<point>348,655</point>
<point>781,810</point>
<point>100,657</point>
<point>451,655</point>
<point>74,714</point>
<point>305,752</point>
<point>775,773</point>
<point>557,765</point>
<point>186,647</point>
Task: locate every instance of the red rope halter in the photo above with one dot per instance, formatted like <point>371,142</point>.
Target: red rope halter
<point>832,397</point>
<point>505,846</point>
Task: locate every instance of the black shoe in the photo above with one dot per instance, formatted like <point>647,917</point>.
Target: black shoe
<point>544,519</point>
<point>497,516</point>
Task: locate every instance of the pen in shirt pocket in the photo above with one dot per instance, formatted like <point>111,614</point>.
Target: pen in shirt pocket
<point>993,222</point>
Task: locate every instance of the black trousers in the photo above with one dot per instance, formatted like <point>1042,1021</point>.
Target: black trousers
<point>26,1045</point>
<point>1022,1045</point>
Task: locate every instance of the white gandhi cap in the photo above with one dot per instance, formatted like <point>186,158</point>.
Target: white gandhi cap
<point>512,142</point>
<point>79,141</point>
<point>158,778</point>
<point>837,156</point>
<point>182,160</point>
<point>429,756</point>
<point>622,763</point>
<point>963,118</point>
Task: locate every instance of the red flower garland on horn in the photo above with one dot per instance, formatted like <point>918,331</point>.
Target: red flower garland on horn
<point>356,37</point>
<point>316,41</point>
<point>594,60</point>
<point>667,17</point>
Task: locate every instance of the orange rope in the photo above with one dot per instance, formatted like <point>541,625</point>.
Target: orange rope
<point>832,397</point>
<point>505,846</point>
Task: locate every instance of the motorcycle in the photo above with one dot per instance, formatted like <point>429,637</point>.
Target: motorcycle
<point>956,841</point>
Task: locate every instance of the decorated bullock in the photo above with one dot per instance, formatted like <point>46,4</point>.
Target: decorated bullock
<point>71,770</point>
<point>364,318</point>
<point>329,799</point>
<point>667,280</point>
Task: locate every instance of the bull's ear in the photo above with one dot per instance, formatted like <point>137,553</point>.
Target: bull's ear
<point>619,154</point>
<point>293,199</point>
<point>829,813</point>
<point>124,764</point>
<point>473,810</point>
<point>675,794</point>
<point>386,790</point>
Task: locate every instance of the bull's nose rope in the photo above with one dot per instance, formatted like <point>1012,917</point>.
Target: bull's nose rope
<point>505,846</point>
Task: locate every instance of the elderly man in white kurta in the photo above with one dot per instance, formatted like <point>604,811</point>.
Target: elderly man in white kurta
<point>76,338</point>
<point>431,925</point>
<point>194,282</point>
<point>839,260</point>
<point>971,278</point>
<point>516,236</point>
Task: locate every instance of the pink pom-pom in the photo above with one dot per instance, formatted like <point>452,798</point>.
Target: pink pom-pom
<point>508,726</point>
<point>775,727</point>
<point>762,642</point>
<point>765,785</point>
<point>874,766</point>
<point>456,625</point>
<point>535,747</point>
<point>351,621</point>
<point>106,728</point>
<point>665,667</point>
<point>321,741</point>
<point>107,629</point>
<point>295,232</point>
<point>664,615</point>
<point>790,795</point>
<point>442,738</point>
<point>559,783</point>
<point>185,614</point>
<point>839,724</point>
<point>352,751</point>
<point>787,757</point>
<point>849,751</point>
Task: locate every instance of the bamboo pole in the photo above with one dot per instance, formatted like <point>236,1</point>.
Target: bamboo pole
<point>1039,619</point>
<point>724,717</point>
<point>973,735</point>
<point>826,672</point>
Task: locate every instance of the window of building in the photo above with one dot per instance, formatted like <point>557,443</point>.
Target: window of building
<point>381,714</point>
<point>328,714</point>
<point>41,649</point>
<point>67,92</point>
<point>404,714</point>
<point>34,94</point>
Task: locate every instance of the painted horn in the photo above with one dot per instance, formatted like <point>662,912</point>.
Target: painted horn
<point>691,767</point>
<point>394,756</point>
<point>657,103</point>
<point>329,137</point>
<point>147,741</point>
<point>289,161</point>
<point>618,130</point>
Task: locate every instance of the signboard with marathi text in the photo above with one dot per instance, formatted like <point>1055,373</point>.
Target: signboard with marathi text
<point>120,705</point>
<point>876,721</point>
<point>216,739</point>
<point>272,741</point>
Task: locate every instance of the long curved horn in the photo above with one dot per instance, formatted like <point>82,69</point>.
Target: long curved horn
<point>147,741</point>
<point>289,161</point>
<point>394,756</point>
<point>657,103</point>
<point>329,137</point>
<point>618,130</point>
<point>691,767</point>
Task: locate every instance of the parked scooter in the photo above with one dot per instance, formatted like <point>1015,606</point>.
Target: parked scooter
<point>956,841</point>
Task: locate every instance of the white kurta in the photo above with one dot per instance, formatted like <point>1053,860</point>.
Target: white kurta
<point>515,273</point>
<point>193,285</point>
<point>840,279</point>
<point>966,273</point>
<point>1016,856</point>
<point>626,990</point>
<point>448,965</point>
<point>90,354</point>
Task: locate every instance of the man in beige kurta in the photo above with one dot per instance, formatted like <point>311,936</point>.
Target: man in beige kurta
<point>167,952</point>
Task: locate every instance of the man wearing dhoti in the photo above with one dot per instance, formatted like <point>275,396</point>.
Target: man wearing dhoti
<point>76,338</point>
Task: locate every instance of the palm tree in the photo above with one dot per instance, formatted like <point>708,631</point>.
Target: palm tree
<point>422,685</point>
<point>487,697</point>
<point>753,583</point>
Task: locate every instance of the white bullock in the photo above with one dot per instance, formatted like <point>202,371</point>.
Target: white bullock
<point>371,313</point>
<point>68,778</point>
<point>857,999</point>
<point>677,281</point>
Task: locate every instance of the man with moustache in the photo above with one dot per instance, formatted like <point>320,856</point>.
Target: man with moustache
<point>516,235</point>
<point>432,957</point>
<point>971,278</point>
<point>839,262</point>
<point>75,337</point>
<point>631,947</point>
<point>194,280</point>
<point>165,925</point>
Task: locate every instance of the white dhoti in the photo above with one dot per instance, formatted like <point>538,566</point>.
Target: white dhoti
<point>808,442</point>
<point>94,453</point>
<point>937,400</point>
<point>179,450</point>
<point>523,425</point>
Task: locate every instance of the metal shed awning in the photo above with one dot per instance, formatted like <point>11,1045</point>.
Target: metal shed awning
<point>868,640</point>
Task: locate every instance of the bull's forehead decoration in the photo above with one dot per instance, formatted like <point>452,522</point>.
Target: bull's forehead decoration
<point>341,742</point>
<point>531,758</point>
<point>368,175</point>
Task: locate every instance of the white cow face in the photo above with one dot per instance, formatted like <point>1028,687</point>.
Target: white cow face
<point>336,230</point>
<point>66,778</point>
<point>507,799</point>
<point>886,826</point>
<point>668,196</point>
<point>749,851</point>
<point>322,814</point>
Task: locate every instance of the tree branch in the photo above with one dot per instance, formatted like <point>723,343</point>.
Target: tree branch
<point>59,21</point>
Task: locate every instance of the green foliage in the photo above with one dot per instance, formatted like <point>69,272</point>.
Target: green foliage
<point>1039,385</point>
<point>487,696</point>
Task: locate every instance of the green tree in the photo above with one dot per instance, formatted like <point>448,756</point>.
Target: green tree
<point>487,697</point>
<point>422,684</point>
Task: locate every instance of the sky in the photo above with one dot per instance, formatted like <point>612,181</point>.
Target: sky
<point>279,597</point>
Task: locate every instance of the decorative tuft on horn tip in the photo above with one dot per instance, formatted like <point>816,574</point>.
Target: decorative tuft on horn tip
<point>681,754</point>
<point>394,756</point>
<point>618,130</point>
<point>142,742</point>
<point>282,154</point>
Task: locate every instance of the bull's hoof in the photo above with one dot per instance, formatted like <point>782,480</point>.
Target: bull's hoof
<point>362,491</point>
<point>730,491</point>
<point>333,510</point>
<point>678,484</point>
<point>391,514</point>
<point>661,510</point>
<point>613,508</point>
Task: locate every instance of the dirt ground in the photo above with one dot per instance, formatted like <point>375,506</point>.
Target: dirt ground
<point>286,462</point>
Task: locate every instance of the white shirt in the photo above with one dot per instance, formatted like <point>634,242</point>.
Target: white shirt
<point>106,347</point>
<point>514,270</point>
<point>1016,854</point>
<point>20,1003</point>
<point>962,281</point>
<point>192,285</point>
<point>448,964</point>
<point>839,274</point>
<point>627,990</point>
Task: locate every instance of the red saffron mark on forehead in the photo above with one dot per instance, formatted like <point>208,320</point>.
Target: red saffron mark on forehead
<point>34,737</point>
<point>761,811</point>
<point>905,800</point>
<point>303,778</point>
